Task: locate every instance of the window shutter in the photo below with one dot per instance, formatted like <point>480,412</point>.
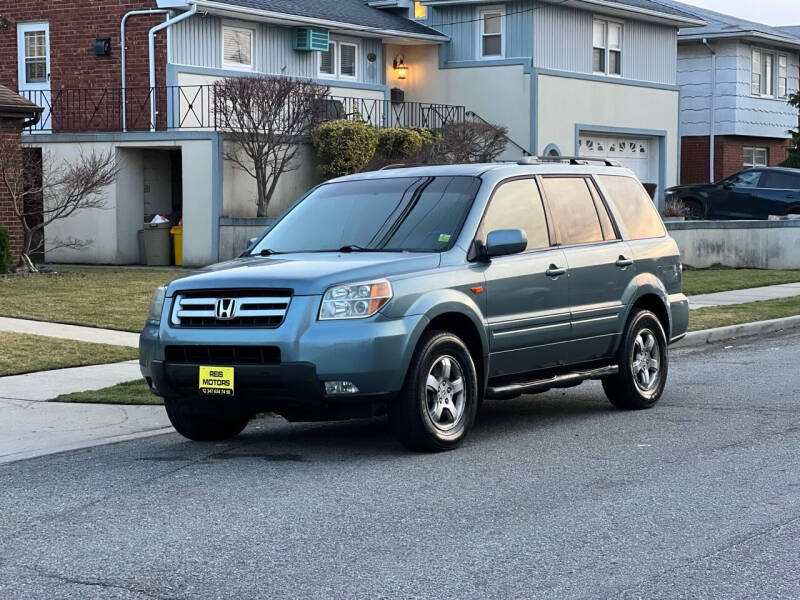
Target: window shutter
<point>347,55</point>
<point>237,46</point>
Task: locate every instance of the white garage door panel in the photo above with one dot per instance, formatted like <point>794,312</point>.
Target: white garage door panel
<point>630,152</point>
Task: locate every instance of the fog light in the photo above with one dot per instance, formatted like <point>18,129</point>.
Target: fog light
<point>340,387</point>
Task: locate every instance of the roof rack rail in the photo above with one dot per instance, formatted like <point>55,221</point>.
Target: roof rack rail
<point>573,160</point>
<point>403,166</point>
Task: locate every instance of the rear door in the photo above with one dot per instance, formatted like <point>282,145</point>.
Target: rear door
<point>599,262</point>
<point>527,304</point>
<point>777,192</point>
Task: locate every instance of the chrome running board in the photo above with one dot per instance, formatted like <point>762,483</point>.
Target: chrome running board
<point>541,385</point>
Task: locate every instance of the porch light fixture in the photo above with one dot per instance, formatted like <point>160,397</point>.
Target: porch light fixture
<point>400,68</point>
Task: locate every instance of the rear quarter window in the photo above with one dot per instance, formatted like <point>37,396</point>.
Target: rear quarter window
<point>633,205</point>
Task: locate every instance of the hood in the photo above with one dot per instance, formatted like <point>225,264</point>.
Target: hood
<point>695,187</point>
<point>305,273</point>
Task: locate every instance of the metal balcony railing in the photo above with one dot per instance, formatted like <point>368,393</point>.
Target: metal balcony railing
<point>89,110</point>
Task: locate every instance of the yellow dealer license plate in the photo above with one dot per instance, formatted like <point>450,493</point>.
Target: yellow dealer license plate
<point>216,381</point>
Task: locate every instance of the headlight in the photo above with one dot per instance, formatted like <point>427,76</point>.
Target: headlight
<point>354,300</point>
<point>157,303</point>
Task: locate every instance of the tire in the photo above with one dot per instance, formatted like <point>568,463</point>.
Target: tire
<point>631,389</point>
<point>202,427</point>
<point>693,210</point>
<point>431,414</point>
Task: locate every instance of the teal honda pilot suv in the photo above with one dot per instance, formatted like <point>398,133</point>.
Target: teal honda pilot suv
<point>419,292</point>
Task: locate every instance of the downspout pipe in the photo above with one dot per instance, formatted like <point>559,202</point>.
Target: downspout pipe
<point>712,124</point>
<point>147,11</point>
<point>151,48</point>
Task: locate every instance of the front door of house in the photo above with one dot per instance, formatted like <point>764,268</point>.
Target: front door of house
<point>33,60</point>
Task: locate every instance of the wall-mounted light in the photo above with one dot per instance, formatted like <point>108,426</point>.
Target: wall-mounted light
<point>400,68</point>
<point>3,22</point>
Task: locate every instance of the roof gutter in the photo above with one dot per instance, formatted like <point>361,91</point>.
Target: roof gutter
<point>787,41</point>
<point>686,21</point>
<point>301,20</point>
<point>151,50</point>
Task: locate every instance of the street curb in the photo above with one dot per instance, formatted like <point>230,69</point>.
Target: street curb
<point>696,339</point>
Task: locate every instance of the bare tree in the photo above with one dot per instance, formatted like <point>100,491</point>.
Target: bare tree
<point>265,118</point>
<point>65,187</point>
<point>465,142</point>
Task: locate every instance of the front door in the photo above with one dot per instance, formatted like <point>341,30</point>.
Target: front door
<point>526,294</point>
<point>735,197</point>
<point>33,67</point>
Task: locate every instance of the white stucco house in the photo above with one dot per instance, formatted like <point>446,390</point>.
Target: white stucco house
<point>570,77</point>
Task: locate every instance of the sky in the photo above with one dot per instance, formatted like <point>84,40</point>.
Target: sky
<point>770,12</point>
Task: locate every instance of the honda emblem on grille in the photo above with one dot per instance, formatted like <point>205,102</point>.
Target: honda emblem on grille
<point>226,309</point>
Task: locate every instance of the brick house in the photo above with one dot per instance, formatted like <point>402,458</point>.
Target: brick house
<point>735,77</point>
<point>16,113</point>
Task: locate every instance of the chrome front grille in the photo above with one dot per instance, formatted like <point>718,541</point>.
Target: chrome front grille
<point>230,308</point>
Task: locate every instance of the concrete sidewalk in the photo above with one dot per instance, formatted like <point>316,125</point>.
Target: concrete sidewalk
<point>29,429</point>
<point>770,292</point>
<point>46,385</point>
<point>71,332</point>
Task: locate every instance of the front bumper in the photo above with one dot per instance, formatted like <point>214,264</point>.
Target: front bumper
<point>373,353</point>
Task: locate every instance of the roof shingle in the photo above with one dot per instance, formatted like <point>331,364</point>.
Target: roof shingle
<point>11,102</point>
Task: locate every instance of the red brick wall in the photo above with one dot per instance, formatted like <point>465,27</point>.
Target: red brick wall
<point>10,134</point>
<point>728,155</point>
<point>74,25</point>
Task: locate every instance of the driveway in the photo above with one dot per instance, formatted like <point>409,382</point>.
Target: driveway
<point>553,496</point>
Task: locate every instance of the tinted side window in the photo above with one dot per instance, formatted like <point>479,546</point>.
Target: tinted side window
<point>517,205</point>
<point>634,206</point>
<point>573,210</point>
<point>778,180</point>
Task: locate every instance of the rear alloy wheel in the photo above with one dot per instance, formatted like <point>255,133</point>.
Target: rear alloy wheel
<point>643,364</point>
<point>202,427</point>
<point>437,406</point>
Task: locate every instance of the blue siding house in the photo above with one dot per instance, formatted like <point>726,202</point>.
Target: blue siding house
<point>735,77</point>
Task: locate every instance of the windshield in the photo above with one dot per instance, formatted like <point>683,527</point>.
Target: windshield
<point>416,214</point>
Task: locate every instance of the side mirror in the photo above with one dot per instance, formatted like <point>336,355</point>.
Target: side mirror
<point>728,185</point>
<point>505,241</point>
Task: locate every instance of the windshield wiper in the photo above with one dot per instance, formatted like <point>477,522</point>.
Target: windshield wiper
<point>268,252</point>
<point>355,248</point>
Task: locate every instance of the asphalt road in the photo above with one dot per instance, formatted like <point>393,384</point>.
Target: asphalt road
<point>553,496</point>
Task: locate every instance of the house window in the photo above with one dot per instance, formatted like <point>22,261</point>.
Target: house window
<point>783,80</point>
<point>607,47</point>
<point>754,157</point>
<point>420,11</point>
<point>237,47</point>
<point>35,56</point>
<point>491,32</point>
<point>765,75</point>
<point>340,61</point>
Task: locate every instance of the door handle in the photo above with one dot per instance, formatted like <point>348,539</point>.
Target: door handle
<point>623,262</point>
<point>554,271</point>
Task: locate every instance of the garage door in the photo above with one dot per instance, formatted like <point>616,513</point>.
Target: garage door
<point>630,152</point>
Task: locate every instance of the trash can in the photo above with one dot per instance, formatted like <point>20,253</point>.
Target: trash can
<point>177,243</point>
<point>157,249</point>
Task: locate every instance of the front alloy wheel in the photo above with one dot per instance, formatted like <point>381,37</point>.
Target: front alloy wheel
<point>437,406</point>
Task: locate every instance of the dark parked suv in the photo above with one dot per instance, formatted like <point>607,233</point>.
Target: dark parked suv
<point>418,292</point>
<point>750,194</point>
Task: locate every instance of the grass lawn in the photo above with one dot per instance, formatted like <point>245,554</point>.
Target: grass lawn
<point>100,296</point>
<point>707,281</point>
<point>130,392</point>
<point>719,316</point>
<point>23,353</point>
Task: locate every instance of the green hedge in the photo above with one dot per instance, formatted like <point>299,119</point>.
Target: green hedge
<point>400,144</point>
<point>5,251</point>
<point>344,147</point>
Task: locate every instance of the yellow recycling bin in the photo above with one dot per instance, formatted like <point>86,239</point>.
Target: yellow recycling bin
<point>177,242</point>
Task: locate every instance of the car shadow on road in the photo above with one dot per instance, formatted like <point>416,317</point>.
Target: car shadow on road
<point>276,440</point>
